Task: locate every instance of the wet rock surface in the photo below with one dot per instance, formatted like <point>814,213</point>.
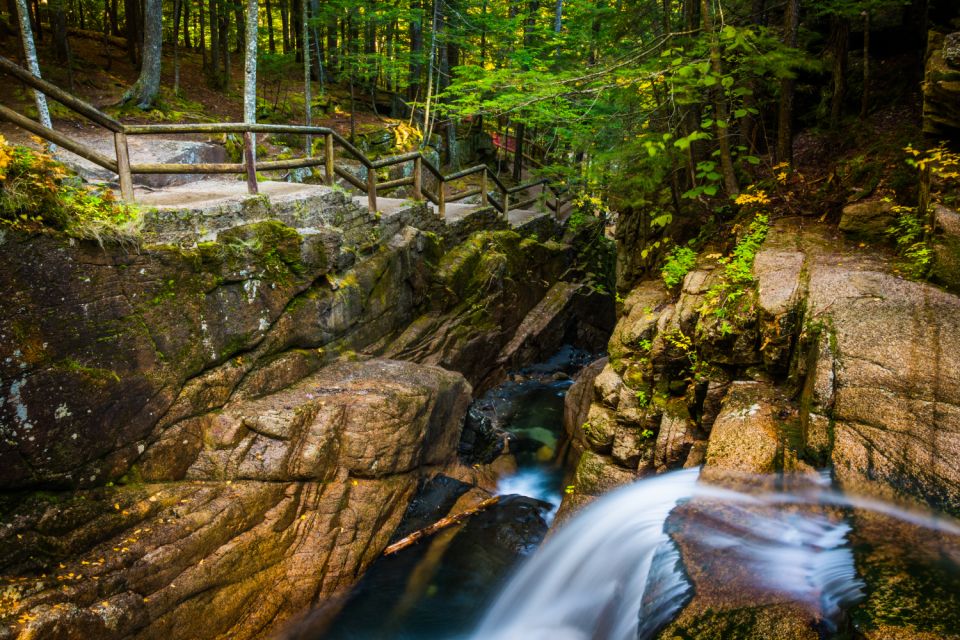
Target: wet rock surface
<point>288,497</point>
<point>841,359</point>
<point>834,359</point>
<point>210,428</point>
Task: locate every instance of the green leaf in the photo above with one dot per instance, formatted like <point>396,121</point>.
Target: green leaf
<point>710,189</point>
<point>740,113</point>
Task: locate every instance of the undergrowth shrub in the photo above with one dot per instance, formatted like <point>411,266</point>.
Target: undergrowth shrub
<point>677,265</point>
<point>37,191</point>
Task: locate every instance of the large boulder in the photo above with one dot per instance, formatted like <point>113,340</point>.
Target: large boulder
<point>287,498</point>
<point>99,347</point>
<point>941,85</point>
<point>868,218</point>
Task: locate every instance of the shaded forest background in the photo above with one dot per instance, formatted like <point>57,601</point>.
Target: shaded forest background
<point>660,111</point>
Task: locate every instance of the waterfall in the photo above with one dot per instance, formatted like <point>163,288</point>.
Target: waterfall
<point>613,573</point>
<point>588,581</point>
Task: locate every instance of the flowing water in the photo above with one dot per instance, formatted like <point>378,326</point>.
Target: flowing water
<point>615,571</point>
<point>440,588</point>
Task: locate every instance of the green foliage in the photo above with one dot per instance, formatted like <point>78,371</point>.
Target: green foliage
<point>643,398</point>
<point>36,192</point>
<point>909,233</point>
<point>677,265</point>
<point>730,300</point>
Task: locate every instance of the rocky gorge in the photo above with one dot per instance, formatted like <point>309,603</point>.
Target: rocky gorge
<point>238,425</point>
<point>835,361</point>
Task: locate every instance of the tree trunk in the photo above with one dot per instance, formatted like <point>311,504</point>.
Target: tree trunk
<point>272,44</point>
<point>284,26</point>
<point>134,30</point>
<point>296,29</point>
<point>215,43</point>
<point>61,44</point>
<point>107,51</point>
<point>30,53</point>
<point>250,67</point>
<point>865,95</point>
<point>15,23</point>
<point>115,17</point>
<point>333,58</point>
<point>840,44</point>
<point>307,88</point>
<point>145,89</point>
<point>203,38</point>
<point>317,57</point>
<point>427,126</point>
<point>35,21</point>
<point>785,113</point>
<point>177,10</point>
<point>416,51</point>
<point>721,108</point>
<point>224,29</point>
<point>239,41</point>
<point>185,9</point>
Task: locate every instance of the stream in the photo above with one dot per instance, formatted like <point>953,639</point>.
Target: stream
<point>615,571</point>
<point>440,588</point>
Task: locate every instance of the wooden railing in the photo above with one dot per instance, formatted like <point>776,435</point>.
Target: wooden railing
<point>121,165</point>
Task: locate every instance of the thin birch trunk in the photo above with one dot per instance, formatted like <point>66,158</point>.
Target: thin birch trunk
<point>30,51</point>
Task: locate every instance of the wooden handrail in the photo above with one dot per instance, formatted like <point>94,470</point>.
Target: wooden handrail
<point>66,99</point>
<point>370,185</point>
<point>58,138</point>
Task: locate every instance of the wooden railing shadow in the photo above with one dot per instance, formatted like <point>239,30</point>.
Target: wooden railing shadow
<point>121,165</point>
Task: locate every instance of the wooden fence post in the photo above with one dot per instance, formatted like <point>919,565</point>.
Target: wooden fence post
<point>506,203</point>
<point>441,198</point>
<point>123,166</point>
<point>329,174</point>
<point>418,178</point>
<point>250,162</point>
<point>372,189</point>
<point>483,188</point>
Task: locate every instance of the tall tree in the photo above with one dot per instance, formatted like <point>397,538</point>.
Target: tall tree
<point>30,52</point>
<point>307,97</point>
<point>721,123</point>
<point>144,91</point>
<point>250,92</point>
<point>785,113</point>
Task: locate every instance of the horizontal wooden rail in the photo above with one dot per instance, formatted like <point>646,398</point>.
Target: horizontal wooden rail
<point>392,184</point>
<point>393,160</point>
<point>463,195</point>
<point>58,138</point>
<point>124,169</point>
<point>349,177</point>
<point>466,172</point>
<point>66,99</point>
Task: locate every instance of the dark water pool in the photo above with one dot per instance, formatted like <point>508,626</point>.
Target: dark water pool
<point>440,588</point>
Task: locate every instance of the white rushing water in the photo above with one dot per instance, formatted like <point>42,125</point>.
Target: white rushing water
<point>612,572</point>
<point>588,580</point>
<point>533,483</point>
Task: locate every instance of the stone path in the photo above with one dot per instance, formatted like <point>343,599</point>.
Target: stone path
<point>198,211</point>
<point>185,208</point>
